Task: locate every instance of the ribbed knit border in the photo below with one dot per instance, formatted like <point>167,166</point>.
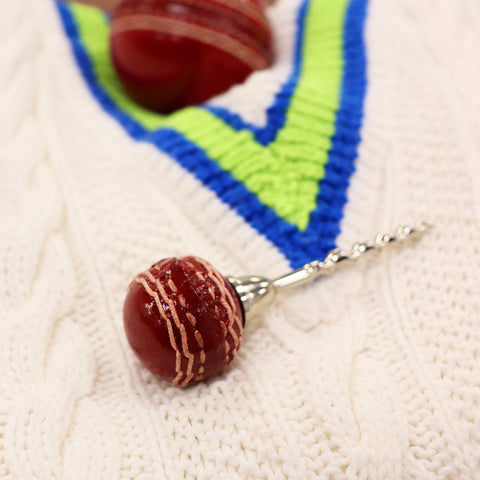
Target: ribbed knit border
<point>299,246</point>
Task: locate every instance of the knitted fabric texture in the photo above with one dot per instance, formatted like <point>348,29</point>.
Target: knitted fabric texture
<point>371,373</point>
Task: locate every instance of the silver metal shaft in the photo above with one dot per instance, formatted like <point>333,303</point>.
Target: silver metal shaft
<point>256,292</point>
<point>337,257</point>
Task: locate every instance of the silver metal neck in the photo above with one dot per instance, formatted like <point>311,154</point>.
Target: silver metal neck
<point>257,293</point>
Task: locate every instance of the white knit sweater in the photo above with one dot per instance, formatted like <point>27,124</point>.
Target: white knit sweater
<point>373,373</point>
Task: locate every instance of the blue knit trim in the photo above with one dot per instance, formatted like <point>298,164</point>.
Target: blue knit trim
<point>319,237</point>
<point>324,224</point>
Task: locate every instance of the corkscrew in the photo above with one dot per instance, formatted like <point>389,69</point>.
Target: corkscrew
<point>257,293</point>
<point>184,319</point>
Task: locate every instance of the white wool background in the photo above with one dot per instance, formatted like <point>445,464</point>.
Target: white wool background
<point>373,373</point>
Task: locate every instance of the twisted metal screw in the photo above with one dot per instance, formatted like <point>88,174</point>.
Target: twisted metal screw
<point>256,292</point>
<point>337,256</point>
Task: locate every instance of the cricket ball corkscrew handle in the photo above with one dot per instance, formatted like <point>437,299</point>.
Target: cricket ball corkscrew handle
<point>184,319</point>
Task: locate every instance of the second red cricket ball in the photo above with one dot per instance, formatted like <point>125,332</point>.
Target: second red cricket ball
<point>173,53</point>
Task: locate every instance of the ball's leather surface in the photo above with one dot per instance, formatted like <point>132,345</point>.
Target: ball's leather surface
<point>183,320</point>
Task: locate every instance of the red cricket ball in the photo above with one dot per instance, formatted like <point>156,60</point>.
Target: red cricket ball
<point>173,53</point>
<point>183,319</point>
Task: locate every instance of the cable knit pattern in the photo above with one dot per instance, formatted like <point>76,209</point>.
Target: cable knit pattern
<point>373,373</point>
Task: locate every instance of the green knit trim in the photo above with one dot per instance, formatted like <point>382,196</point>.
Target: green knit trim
<point>285,174</point>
